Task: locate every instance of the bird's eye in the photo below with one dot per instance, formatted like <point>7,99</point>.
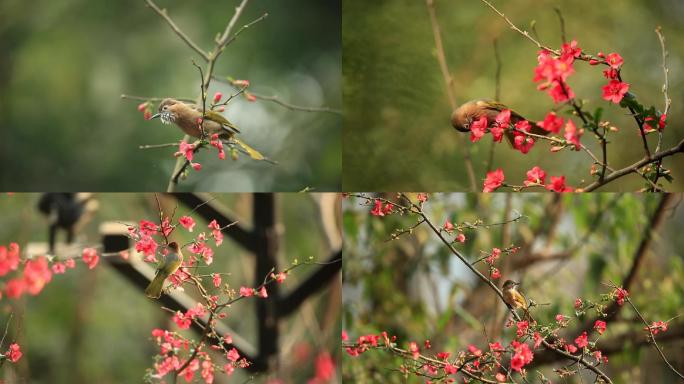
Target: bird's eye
<point>165,107</point>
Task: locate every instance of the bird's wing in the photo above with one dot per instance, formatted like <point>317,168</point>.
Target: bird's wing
<point>495,105</point>
<point>217,117</point>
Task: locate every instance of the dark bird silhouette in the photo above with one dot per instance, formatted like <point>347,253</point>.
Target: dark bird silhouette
<point>66,211</point>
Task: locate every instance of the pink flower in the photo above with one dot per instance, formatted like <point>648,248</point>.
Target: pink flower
<point>422,197</point>
<point>414,350</point>
<point>325,367</point>
<point>448,226</point>
<point>15,288</point>
<point>478,128</point>
<point>279,277</point>
<point>657,327</point>
<point>187,222</point>
<point>58,268</point>
<point>262,292</point>
<point>216,279</point>
<point>36,275</point>
<point>241,83</point>
<point>461,238</point>
<point>493,180</point>
<point>246,292</point>
<point>535,176</point>
<point>572,134</point>
<point>578,303</point>
<point>217,97</point>
<point>615,91</point>
<point>614,60</point>
<point>9,258</point>
<point>551,123</point>
<point>582,340</point>
<point>522,142</point>
<point>495,273</point>
<point>186,150</point>
<point>500,377</point>
<point>570,51</point>
<point>90,257</point>
<point>14,352</point>
<point>600,326</point>
<point>537,339</point>
<point>233,355</point>
<point>560,92</point>
<point>450,369</point>
<point>610,74</point>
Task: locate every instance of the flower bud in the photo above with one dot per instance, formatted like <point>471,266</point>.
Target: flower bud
<point>217,97</point>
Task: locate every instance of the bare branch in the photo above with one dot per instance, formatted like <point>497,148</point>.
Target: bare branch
<point>178,31</point>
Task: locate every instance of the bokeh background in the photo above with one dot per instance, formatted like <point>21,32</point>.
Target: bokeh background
<point>397,133</point>
<point>93,326</point>
<point>64,66</point>
<point>416,289</point>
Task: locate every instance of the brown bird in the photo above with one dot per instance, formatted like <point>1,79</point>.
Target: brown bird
<point>514,298</point>
<point>187,116</point>
<point>471,111</point>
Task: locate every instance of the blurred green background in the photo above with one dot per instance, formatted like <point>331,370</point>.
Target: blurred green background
<point>397,133</point>
<point>93,326</point>
<point>571,245</point>
<point>65,64</point>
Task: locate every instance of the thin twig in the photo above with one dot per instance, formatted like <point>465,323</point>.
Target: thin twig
<point>178,31</point>
<point>448,81</point>
<point>679,148</point>
<point>152,146</point>
<point>561,21</point>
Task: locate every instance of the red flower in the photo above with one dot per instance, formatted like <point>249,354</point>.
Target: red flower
<point>233,355</point>
<point>325,368</point>
<point>649,123</point>
<point>522,328</point>
<point>582,340</point>
<point>535,176</point>
<point>500,377</point>
<point>657,327</point>
<point>495,273</point>
<point>262,292</point>
<point>615,91</point>
<point>450,369</point>
<point>578,303</point>
<point>246,292</point>
<point>614,60</point>
<point>560,92</point>
<point>58,268</point>
<point>522,356</point>
<point>572,134</point>
<point>610,74</point>
<point>14,352</point>
<point>551,123</point>
<point>217,97</point>
<point>600,326</point>
<point>448,226</point>
<point>474,350</point>
<point>570,51</point>
<point>493,180</point>
<point>388,208</point>
<point>422,197</point>
<point>522,142</point>
<point>558,184</point>
<point>187,222</point>
<point>186,150</point>
<point>537,339</point>
<point>279,277</point>
<point>502,121</point>
<point>460,238</point>
<point>620,295</point>
<point>478,128</point>
<point>377,209</point>
<point>90,257</point>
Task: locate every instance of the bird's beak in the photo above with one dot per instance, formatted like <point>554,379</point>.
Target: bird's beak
<point>155,116</point>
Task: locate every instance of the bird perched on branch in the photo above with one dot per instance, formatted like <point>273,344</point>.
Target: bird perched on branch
<point>167,266</point>
<point>471,111</point>
<point>188,117</point>
<point>514,298</point>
